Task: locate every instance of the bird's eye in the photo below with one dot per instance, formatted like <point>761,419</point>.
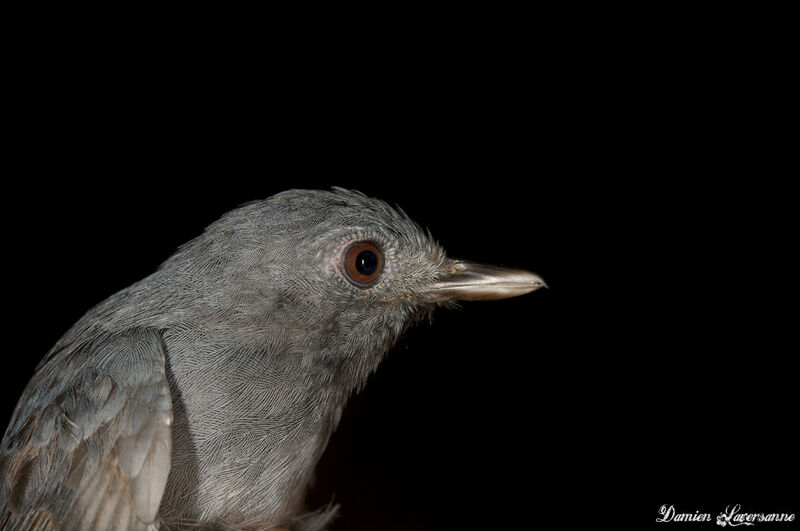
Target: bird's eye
<point>363,263</point>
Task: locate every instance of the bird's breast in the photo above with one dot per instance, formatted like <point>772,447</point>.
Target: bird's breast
<point>253,433</point>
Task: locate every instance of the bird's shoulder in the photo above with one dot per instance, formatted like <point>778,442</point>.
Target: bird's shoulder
<point>89,443</point>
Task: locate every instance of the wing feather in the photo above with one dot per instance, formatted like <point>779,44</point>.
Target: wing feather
<point>89,446</point>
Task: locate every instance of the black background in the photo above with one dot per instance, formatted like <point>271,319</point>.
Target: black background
<point>631,165</point>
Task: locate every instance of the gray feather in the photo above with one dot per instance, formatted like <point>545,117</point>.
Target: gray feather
<point>85,443</point>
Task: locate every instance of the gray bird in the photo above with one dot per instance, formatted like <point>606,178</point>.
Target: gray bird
<point>204,394</point>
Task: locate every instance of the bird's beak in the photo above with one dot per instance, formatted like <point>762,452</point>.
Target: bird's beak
<point>471,281</point>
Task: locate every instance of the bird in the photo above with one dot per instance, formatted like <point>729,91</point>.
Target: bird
<point>203,395</point>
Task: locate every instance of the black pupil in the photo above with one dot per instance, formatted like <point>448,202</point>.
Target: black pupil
<point>366,263</point>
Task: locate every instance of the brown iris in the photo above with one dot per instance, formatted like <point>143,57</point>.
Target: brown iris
<point>363,263</point>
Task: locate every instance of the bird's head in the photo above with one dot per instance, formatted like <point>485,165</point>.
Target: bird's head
<point>335,274</point>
